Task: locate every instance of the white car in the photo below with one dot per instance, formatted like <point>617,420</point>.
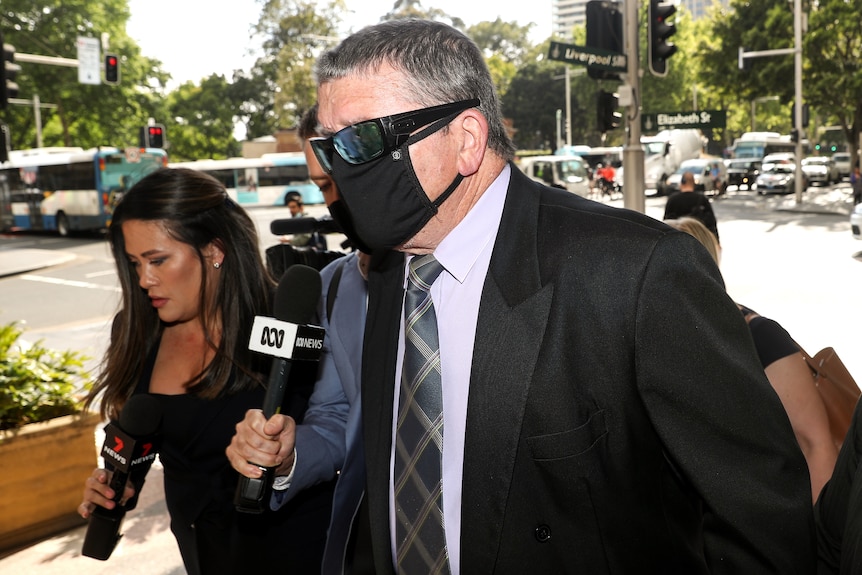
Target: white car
<point>566,172</point>
<point>842,164</point>
<point>856,222</point>
<point>820,170</point>
<point>710,175</point>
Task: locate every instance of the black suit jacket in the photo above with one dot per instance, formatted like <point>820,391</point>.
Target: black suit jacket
<point>618,418</point>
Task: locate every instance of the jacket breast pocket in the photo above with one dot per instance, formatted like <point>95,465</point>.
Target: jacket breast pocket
<point>569,443</point>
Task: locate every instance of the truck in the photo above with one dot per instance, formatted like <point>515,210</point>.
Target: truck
<point>664,152</point>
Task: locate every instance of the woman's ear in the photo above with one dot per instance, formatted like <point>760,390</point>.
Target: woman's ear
<point>214,253</point>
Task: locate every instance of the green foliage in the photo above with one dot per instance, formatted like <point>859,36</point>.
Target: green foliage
<point>296,32</point>
<point>37,384</point>
<point>202,120</point>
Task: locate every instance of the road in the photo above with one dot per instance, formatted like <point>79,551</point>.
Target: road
<point>800,268</point>
<point>70,306</point>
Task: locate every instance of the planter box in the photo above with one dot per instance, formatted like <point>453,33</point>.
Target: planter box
<point>42,471</point>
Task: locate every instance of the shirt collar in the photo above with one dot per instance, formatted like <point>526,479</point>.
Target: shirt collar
<point>460,249</point>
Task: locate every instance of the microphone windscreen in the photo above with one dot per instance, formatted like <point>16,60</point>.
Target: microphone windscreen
<point>297,294</point>
<point>141,415</point>
<point>302,225</point>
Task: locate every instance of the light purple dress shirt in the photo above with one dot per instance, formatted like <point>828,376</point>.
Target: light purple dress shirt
<point>465,254</point>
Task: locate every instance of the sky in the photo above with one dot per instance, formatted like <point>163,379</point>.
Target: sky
<point>196,38</point>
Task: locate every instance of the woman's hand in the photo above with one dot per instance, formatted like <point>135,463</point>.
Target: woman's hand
<point>97,491</point>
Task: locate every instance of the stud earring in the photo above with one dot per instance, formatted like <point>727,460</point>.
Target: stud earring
<point>217,265</point>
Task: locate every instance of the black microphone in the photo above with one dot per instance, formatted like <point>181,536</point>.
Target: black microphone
<point>304,225</point>
<point>287,337</point>
<point>130,448</point>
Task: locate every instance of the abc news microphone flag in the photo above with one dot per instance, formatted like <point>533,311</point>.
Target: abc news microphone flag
<point>287,337</point>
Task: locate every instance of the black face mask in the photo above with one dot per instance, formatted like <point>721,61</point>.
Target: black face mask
<point>341,216</point>
<point>384,198</point>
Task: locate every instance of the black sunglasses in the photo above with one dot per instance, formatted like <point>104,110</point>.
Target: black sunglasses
<point>371,139</point>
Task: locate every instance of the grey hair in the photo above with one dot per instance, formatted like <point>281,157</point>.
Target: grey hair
<point>440,65</point>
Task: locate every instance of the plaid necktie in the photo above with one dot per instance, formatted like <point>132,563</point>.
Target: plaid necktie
<point>419,437</point>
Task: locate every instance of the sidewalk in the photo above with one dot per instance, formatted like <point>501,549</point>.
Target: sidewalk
<point>147,547</point>
<point>820,200</point>
<point>14,261</point>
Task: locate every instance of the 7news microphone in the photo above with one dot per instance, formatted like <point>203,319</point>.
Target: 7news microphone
<point>287,337</point>
<point>130,449</point>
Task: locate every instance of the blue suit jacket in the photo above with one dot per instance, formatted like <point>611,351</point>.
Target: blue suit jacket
<point>329,439</point>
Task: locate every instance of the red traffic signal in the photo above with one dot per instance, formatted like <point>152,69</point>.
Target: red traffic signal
<point>153,136</point>
<point>112,69</point>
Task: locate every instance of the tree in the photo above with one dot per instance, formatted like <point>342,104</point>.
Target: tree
<point>413,9</point>
<point>754,25</point>
<point>505,46</point>
<point>295,32</point>
<point>832,73</point>
<point>202,120</point>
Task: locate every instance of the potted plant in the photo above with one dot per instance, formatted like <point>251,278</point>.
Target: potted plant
<point>47,442</point>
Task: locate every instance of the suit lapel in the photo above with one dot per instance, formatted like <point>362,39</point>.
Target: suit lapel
<point>385,292</point>
<point>512,318</point>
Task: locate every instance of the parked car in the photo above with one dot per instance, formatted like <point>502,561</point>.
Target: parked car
<point>566,172</point>
<point>742,172</point>
<point>710,175</point>
<point>856,222</point>
<point>777,178</point>
<point>842,164</point>
<point>820,170</point>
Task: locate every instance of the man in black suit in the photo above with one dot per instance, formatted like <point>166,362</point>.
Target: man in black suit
<point>603,408</point>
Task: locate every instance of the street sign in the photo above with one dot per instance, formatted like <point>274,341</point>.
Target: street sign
<point>89,61</point>
<point>667,121</point>
<point>587,56</point>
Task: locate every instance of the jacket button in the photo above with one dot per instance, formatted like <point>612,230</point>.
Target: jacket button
<point>543,533</point>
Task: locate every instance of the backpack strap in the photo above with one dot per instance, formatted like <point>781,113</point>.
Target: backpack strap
<point>332,292</point>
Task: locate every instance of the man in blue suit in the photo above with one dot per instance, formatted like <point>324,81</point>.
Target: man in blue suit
<point>328,442</point>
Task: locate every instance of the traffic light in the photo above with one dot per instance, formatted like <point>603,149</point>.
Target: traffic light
<point>112,69</point>
<point>805,114</point>
<point>152,136</point>
<point>660,49</point>
<point>8,73</point>
<point>794,135</point>
<point>608,117</point>
<point>604,31</point>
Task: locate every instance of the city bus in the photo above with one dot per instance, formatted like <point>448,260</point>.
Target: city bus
<point>69,189</point>
<point>263,181</point>
<point>755,145</point>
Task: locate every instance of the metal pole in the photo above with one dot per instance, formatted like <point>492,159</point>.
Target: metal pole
<point>633,153</point>
<point>752,113</point>
<point>797,115</point>
<point>37,112</point>
<point>568,107</point>
<point>559,142</point>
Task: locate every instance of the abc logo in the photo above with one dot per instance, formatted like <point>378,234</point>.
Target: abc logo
<point>272,337</point>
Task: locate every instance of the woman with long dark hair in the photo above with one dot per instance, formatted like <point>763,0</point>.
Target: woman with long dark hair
<point>192,280</point>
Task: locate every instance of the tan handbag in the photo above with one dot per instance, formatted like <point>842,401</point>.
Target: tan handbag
<point>837,388</point>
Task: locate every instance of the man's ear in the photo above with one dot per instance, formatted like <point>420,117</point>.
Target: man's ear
<point>473,131</point>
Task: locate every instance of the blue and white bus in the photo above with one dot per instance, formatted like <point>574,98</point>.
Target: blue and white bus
<point>263,181</point>
<point>69,189</point>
